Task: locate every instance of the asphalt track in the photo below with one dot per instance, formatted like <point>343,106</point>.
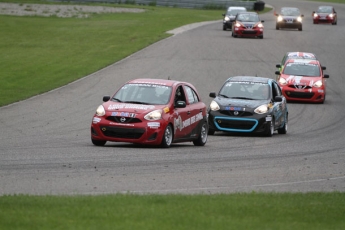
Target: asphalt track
<point>45,145</point>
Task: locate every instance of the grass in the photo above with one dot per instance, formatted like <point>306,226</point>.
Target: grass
<point>223,211</point>
<point>39,54</point>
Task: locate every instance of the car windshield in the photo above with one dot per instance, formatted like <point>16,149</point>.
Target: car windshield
<point>150,94</point>
<point>248,17</point>
<point>302,69</point>
<point>245,90</point>
<point>235,11</point>
<point>290,12</point>
<point>324,9</point>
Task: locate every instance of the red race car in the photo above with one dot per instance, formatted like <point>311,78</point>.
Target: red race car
<point>325,14</point>
<point>153,112</point>
<point>247,24</point>
<point>303,80</point>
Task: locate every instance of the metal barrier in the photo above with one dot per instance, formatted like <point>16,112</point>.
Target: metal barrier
<point>197,4</point>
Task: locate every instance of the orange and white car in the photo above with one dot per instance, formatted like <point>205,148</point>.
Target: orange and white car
<point>303,80</point>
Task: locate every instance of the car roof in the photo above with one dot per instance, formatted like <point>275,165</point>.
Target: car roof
<point>302,55</point>
<point>306,61</point>
<point>250,79</point>
<point>295,8</point>
<point>236,8</point>
<point>247,12</point>
<point>155,81</point>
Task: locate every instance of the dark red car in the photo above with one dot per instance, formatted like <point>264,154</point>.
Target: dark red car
<point>151,111</point>
<point>303,80</point>
<point>325,14</point>
<point>247,24</point>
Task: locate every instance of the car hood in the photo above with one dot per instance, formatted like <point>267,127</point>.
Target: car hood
<point>290,17</point>
<point>248,104</point>
<point>111,106</point>
<point>323,14</point>
<point>301,80</point>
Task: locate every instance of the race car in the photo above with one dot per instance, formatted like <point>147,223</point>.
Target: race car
<point>289,17</point>
<point>325,14</point>
<point>247,24</point>
<point>153,112</point>
<point>230,15</point>
<point>303,80</point>
<point>297,55</point>
<point>248,104</point>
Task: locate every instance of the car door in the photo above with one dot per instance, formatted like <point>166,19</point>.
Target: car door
<point>195,109</point>
<point>181,115</point>
<point>279,107</point>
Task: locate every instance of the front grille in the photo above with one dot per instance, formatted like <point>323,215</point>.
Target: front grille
<point>128,119</point>
<point>119,132</point>
<point>249,32</point>
<point>303,95</point>
<point>240,113</point>
<point>300,86</point>
<point>290,20</point>
<point>235,124</point>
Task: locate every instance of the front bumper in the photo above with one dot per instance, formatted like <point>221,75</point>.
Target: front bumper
<point>143,132</point>
<point>323,20</point>
<point>304,95</point>
<point>248,32</point>
<point>256,123</point>
<point>286,24</point>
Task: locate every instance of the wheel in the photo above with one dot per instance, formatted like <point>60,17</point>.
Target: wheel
<point>201,141</point>
<point>300,28</point>
<point>283,130</point>
<point>277,27</point>
<point>261,37</point>
<point>224,27</point>
<point>98,143</point>
<point>167,137</point>
<point>270,129</point>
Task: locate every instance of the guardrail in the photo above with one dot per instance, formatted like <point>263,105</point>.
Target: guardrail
<point>197,4</point>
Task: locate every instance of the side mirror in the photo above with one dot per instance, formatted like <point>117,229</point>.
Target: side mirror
<point>323,67</point>
<point>213,95</point>
<point>278,66</point>
<point>326,76</point>
<point>302,15</point>
<point>278,98</point>
<point>277,72</point>
<point>262,21</point>
<point>106,98</point>
<point>180,104</point>
<point>223,15</point>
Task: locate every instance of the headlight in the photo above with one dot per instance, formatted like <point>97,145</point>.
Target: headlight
<point>315,15</point>
<point>282,81</point>
<point>226,18</point>
<point>100,111</point>
<point>279,18</point>
<point>260,25</point>
<point>261,109</point>
<point>318,84</point>
<point>154,115</point>
<point>238,24</point>
<point>331,15</point>
<point>214,106</point>
<point>299,19</point>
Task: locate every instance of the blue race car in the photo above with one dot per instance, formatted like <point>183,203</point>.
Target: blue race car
<point>248,104</point>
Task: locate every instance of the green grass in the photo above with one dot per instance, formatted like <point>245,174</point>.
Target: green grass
<point>124,211</point>
<point>39,54</point>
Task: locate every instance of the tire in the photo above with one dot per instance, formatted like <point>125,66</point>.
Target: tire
<point>277,27</point>
<point>224,27</point>
<point>167,137</point>
<point>300,28</point>
<point>98,143</point>
<point>201,141</point>
<point>270,129</point>
<point>261,37</point>
<point>284,129</point>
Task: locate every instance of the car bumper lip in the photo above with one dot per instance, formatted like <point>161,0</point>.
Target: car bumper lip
<point>249,33</point>
<point>304,95</point>
<point>144,132</point>
<point>255,123</point>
